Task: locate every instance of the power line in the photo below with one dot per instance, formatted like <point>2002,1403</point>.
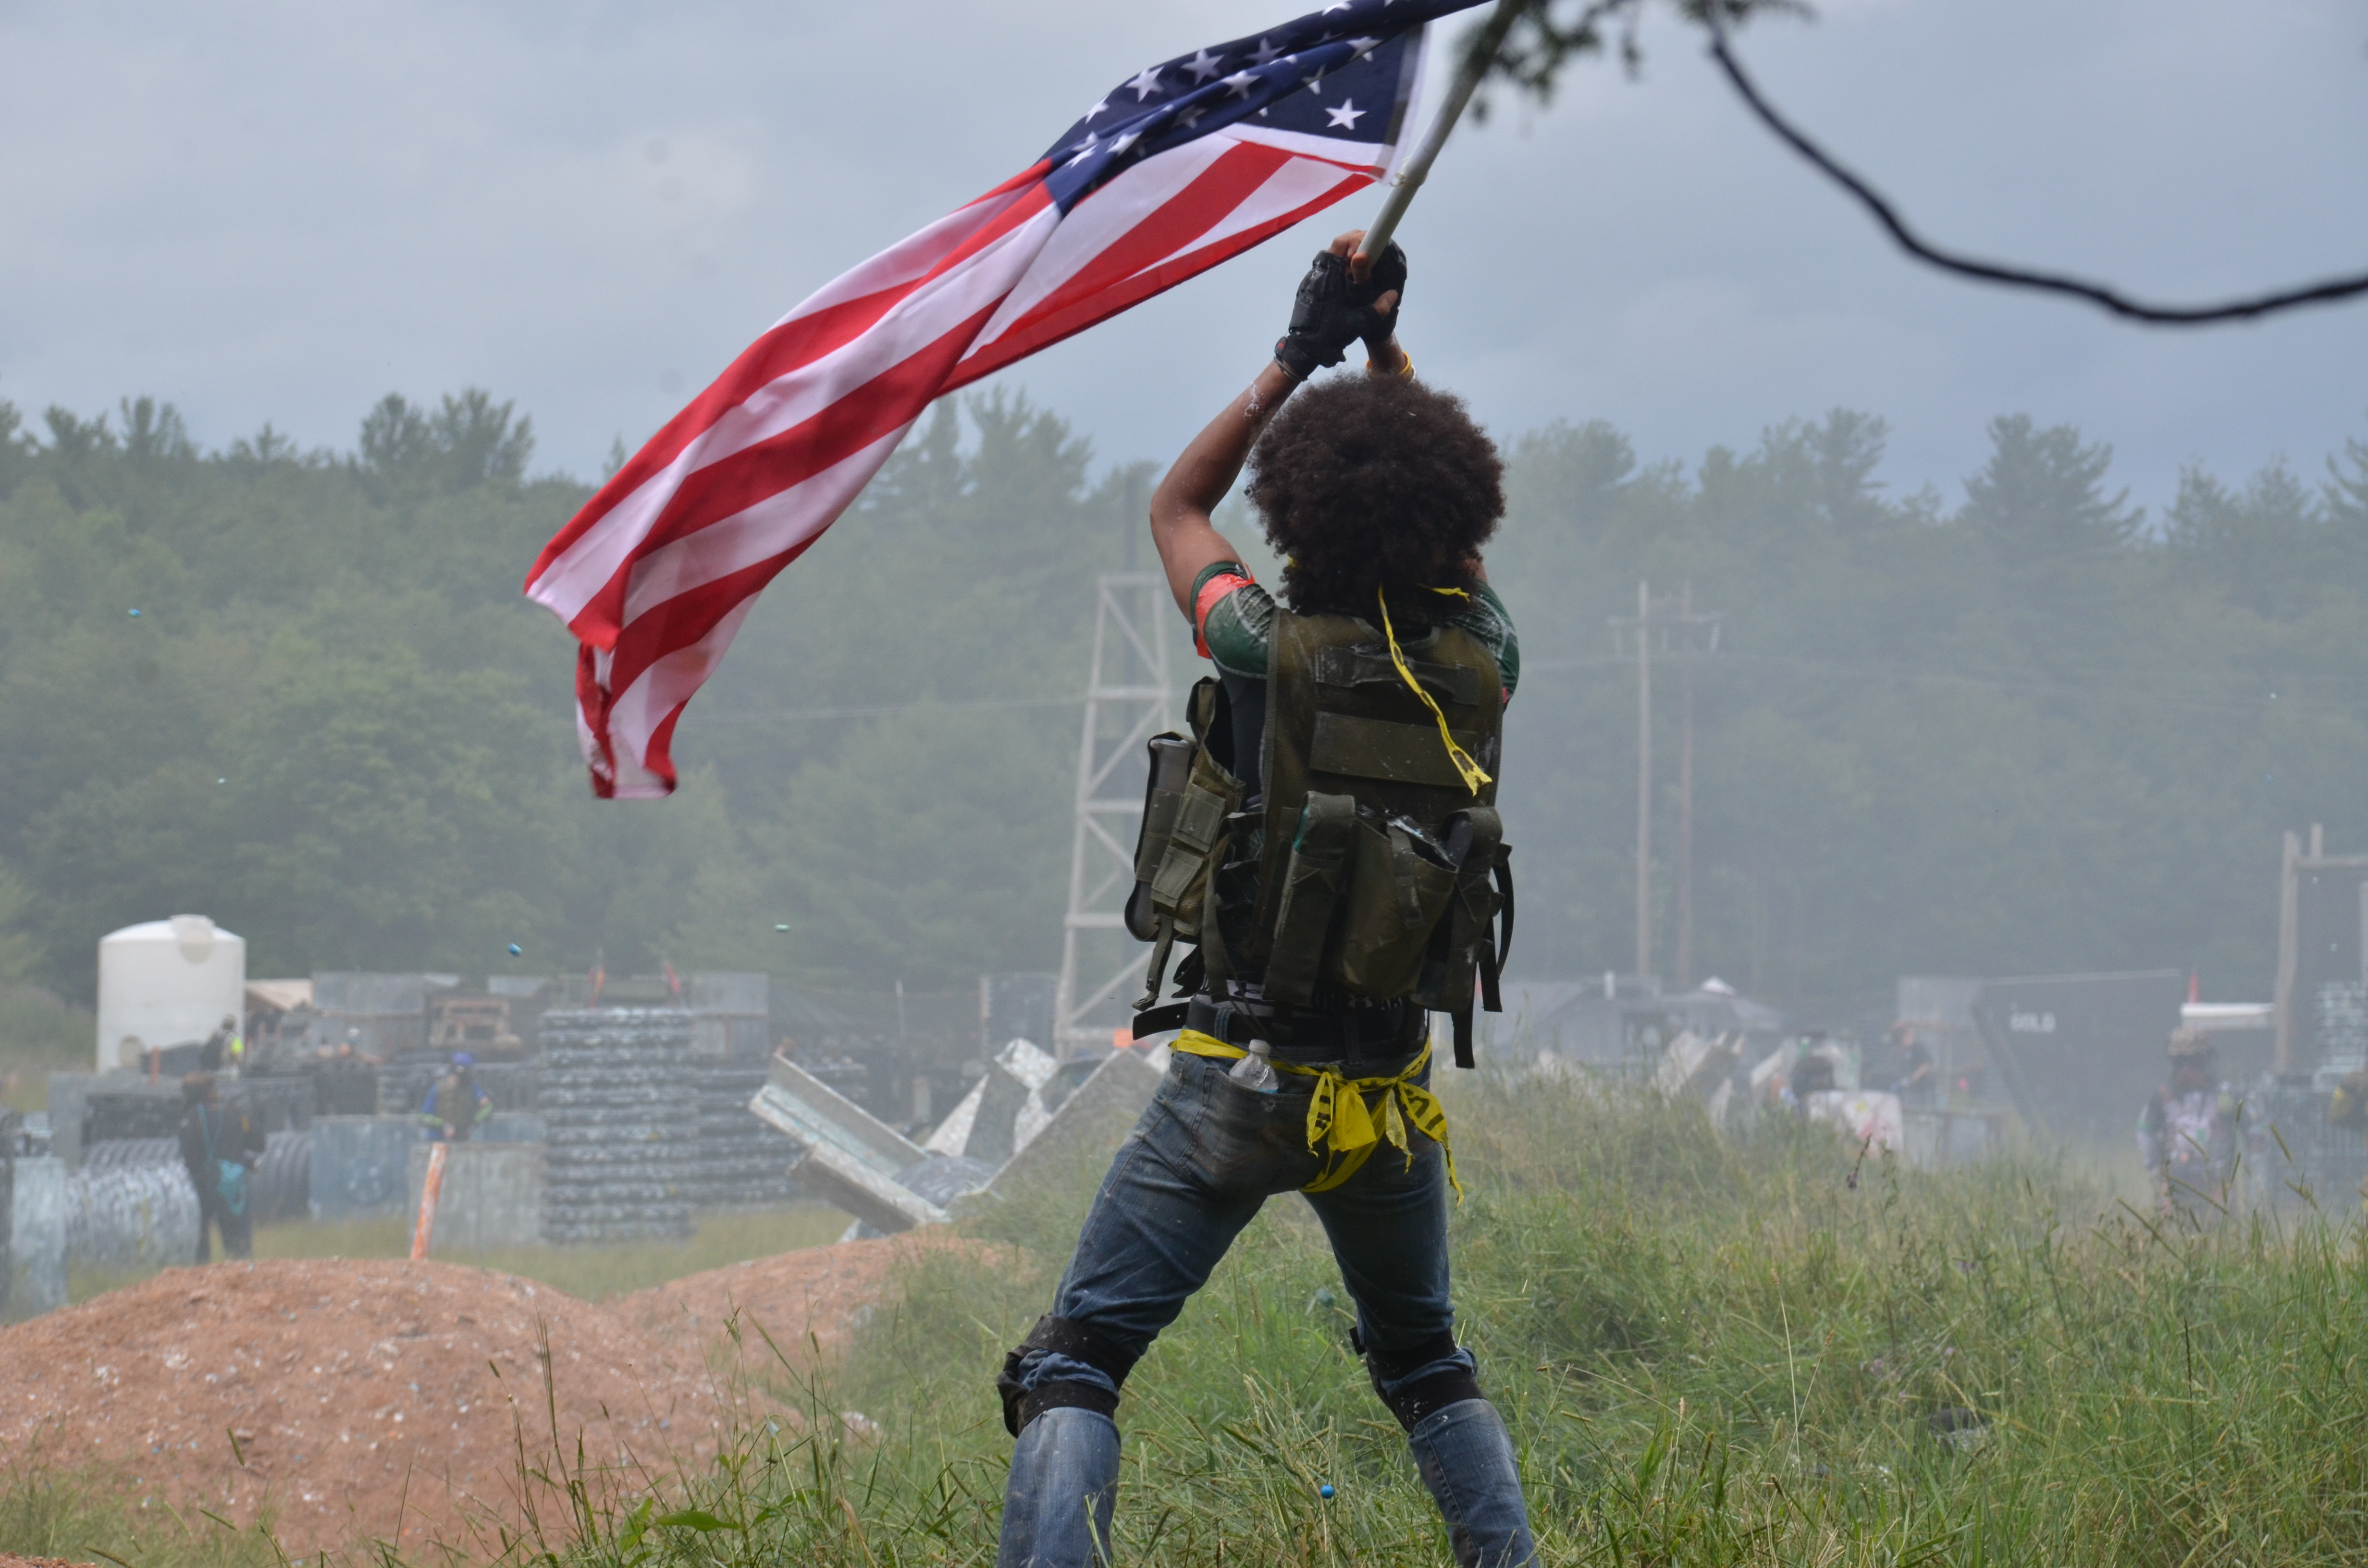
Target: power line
<point>2325,291</point>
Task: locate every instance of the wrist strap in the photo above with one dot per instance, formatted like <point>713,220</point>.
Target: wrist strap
<point>1405,371</point>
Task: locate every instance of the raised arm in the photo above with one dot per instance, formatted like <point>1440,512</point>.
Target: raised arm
<point>1180,530</point>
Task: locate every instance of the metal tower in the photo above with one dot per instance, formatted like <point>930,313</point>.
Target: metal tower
<point>1127,701</point>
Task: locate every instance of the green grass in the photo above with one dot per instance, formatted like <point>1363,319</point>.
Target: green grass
<point>593,1273</point>
<point>99,1514</point>
<point>1708,1354</point>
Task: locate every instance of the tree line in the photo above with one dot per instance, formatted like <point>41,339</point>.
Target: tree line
<point>2023,728</point>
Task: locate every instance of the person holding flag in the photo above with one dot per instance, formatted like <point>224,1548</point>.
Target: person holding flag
<point>1379,492</point>
<point>1382,492</point>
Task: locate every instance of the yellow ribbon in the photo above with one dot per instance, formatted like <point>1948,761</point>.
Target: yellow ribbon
<point>1340,1124</point>
<point>1470,770</point>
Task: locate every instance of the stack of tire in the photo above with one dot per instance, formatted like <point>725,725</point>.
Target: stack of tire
<point>109,1153</point>
<point>281,1187</point>
<point>131,1207</point>
<point>278,1188</point>
<point>622,1118</point>
<point>741,1162</point>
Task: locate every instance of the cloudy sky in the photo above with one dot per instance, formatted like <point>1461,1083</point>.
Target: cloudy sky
<point>281,211</point>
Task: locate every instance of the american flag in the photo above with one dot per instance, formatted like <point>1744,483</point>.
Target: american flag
<point>1183,164</point>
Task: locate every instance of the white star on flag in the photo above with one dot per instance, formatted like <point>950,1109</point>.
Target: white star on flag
<point>1203,65</point>
<point>1346,114</point>
<point>1241,82</point>
<point>1146,83</point>
<point>1265,55</point>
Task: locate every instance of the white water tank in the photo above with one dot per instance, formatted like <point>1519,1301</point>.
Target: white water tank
<point>166,982</point>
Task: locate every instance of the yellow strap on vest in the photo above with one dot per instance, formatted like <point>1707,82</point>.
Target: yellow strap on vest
<point>1340,1124</point>
<point>1472,777</point>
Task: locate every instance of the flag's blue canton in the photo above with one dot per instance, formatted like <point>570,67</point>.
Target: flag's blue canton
<point>1342,73</point>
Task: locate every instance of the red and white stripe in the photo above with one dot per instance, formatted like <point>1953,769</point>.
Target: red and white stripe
<point>656,572</point>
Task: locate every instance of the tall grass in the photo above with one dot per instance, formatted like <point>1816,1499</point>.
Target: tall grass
<point>1709,1354</point>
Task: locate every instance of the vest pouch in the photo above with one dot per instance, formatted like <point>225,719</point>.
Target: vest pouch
<point>1181,884</point>
<point>1401,885</point>
<point>1313,880</point>
<point>1474,840</point>
<point>1163,797</point>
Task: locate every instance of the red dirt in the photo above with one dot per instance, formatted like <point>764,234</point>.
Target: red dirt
<point>809,1301</point>
<point>370,1399</point>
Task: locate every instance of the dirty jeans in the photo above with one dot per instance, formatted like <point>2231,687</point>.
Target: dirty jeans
<point>1206,1155</point>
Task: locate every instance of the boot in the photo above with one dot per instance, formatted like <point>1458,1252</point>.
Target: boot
<point>1466,1459</point>
<point>1057,1508</point>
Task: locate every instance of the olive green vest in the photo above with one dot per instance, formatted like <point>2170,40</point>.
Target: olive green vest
<point>1374,877</point>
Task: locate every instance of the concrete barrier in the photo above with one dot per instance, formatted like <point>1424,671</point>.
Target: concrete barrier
<point>492,1198</point>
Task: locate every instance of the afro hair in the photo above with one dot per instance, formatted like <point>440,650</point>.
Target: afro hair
<point>1365,483</point>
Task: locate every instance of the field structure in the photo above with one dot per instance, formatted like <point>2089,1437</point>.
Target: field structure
<point>1774,1350</point>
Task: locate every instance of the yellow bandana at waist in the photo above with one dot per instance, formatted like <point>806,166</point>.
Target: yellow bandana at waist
<point>1339,1125</point>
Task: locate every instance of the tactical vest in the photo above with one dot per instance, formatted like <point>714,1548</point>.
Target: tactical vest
<point>1381,869</point>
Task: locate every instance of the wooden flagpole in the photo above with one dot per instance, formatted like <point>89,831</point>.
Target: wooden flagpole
<point>1417,168</point>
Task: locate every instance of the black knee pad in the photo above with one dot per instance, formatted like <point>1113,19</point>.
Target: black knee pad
<point>1411,1403</point>
<point>1071,1338</point>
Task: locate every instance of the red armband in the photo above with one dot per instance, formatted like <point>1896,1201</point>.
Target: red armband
<point>1214,593</point>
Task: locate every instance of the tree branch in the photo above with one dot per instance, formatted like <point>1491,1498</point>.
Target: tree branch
<point>2325,291</point>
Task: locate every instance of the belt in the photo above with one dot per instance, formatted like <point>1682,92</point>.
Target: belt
<point>1340,1124</point>
<point>1391,1030</point>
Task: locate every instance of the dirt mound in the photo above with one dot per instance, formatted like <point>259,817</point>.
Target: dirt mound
<point>815,1299</point>
<point>369,1399</point>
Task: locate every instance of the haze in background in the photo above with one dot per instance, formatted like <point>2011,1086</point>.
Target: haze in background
<point>279,212</point>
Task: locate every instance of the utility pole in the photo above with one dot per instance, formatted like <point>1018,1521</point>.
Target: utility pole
<point>1686,789</point>
<point>1697,634</point>
<point>1665,626</point>
<point>1643,779</point>
<point>1641,628</point>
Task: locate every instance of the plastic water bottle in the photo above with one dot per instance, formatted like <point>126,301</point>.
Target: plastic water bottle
<point>1253,1072</point>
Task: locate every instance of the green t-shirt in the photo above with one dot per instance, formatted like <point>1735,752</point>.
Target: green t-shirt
<point>1234,623</point>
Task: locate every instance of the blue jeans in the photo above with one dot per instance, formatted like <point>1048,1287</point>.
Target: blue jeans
<point>1205,1158</point>
<point>1206,1155</point>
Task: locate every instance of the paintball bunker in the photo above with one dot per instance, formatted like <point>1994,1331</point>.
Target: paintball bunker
<point>2079,1053</point>
<point>490,1197</point>
<point>33,1245</point>
<point>1029,1114</point>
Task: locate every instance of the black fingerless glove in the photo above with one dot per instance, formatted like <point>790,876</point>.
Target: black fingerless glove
<point>1389,272</point>
<point>1332,312</point>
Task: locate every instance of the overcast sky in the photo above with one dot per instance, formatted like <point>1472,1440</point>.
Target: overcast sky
<point>282,211</point>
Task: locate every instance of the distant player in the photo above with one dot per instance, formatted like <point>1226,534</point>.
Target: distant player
<point>2188,1134</point>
